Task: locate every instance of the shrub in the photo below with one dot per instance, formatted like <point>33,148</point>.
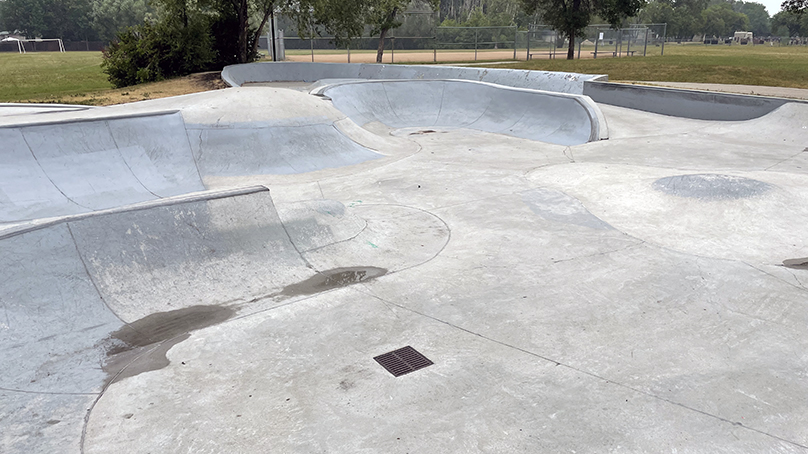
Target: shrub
<point>148,53</point>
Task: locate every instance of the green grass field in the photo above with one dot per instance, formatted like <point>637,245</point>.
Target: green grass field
<point>76,77</point>
<point>785,66</point>
<point>50,75</point>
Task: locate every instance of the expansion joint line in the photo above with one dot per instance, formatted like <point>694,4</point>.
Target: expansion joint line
<point>590,374</point>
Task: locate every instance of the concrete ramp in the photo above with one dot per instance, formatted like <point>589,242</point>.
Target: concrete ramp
<point>68,167</point>
<point>247,149</point>
<point>238,75</point>
<point>529,114</point>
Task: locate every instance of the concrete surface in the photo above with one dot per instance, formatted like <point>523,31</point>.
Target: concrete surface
<point>759,90</point>
<point>686,103</point>
<point>238,75</point>
<point>622,295</point>
<point>529,114</point>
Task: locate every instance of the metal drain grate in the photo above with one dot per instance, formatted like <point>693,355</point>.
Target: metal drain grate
<point>403,361</point>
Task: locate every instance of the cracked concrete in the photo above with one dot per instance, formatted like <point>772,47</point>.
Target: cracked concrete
<point>567,304</point>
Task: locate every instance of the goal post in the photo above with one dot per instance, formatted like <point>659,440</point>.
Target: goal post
<point>21,43</point>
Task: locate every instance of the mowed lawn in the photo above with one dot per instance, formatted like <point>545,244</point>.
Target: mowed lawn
<point>51,76</point>
<point>77,78</point>
<point>785,66</point>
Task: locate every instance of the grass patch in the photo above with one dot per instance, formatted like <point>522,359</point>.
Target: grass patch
<point>785,66</point>
<point>76,78</point>
<point>50,74</point>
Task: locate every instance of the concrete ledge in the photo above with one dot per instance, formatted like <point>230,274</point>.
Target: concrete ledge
<point>237,75</point>
<point>698,105</point>
<point>37,224</point>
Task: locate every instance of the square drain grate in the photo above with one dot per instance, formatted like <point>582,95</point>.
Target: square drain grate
<point>403,361</point>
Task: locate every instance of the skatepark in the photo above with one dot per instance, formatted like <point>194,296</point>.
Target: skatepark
<point>588,267</point>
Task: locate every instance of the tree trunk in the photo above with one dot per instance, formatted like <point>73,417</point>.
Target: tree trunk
<point>576,6</point>
<point>243,29</point>
<point>264,20</point>
<point>380,50</point>
<point>571,48</point>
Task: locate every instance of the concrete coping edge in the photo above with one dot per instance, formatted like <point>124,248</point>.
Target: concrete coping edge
<point>37,224</point>
<point>86,120</point>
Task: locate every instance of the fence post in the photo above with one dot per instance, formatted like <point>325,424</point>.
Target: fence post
<point>664,37</point>
<point>645,46</point>
<point>475,45</point>
<point>393,49</point>
<point>527,57</point>
<point>628,45</point>
<point>616,42</point>
<point>349,53</point>
<point>579,48</point>
<point>311,41</point>
<point>515,39</point>
<point>597,39</point>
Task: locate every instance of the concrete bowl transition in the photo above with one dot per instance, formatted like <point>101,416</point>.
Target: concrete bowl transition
<point>217,272</point>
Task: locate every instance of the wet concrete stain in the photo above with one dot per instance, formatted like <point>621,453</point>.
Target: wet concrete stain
<point>331,279</point>
<point>711,186</point>
<point>797,264</point>
<point>141,346</point>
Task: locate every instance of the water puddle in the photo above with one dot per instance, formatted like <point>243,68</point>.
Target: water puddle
<point>331,279</point>
<point>797,264</point>
<point>128,352</point>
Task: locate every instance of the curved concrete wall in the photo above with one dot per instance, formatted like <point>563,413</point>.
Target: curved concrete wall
<point>676,102</point>
<point>530,114</point>
<point>76,166</point>
<point>237,75</point>
<point>81,165</point>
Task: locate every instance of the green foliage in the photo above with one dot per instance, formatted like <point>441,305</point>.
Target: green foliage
<point>571,17</point>
<point>720,20</point>
<point>788,23</point>
<point>111,16</point>
<point>347,20</point>
<point>759,20</point>
<point>147,53</point>
<point>795,6</point>
<point>66,19</point>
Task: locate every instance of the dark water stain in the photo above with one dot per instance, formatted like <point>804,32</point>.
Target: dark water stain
<point>711,186</point>
<point>331,279</point>
<point>797,264</point>
<point>131,350</point>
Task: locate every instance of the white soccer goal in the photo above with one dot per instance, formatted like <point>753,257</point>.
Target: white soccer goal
<point>21,43</point>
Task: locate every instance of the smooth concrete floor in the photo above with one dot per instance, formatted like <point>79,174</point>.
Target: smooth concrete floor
<point>626,296</point>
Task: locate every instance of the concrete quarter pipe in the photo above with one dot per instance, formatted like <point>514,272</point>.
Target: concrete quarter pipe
<point>217,272</point>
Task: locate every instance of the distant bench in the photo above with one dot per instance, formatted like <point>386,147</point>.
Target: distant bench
<point>614,53</point>
<point>550,54</point>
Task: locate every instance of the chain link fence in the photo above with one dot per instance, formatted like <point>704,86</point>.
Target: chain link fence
<point>485,43</point>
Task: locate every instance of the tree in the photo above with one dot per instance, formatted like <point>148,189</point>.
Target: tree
<point>66,19</point>
<point>111,16</point>
<point>795,6</point>
<point>720,20</point>
<point>247,36</point>
<point>792,23</point>
<point>347,20</point>
<point>571,17</point>
<point>757,14</point>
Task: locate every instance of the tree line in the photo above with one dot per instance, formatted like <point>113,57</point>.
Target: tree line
<point>156,39</point>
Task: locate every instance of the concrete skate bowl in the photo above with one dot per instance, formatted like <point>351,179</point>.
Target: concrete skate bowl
<point>557,118</point>
<point>81,165</point>
<point>97,298</point>
<point>261,73</point>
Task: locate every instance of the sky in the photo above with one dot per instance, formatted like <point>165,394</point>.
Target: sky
<point>772,6</point>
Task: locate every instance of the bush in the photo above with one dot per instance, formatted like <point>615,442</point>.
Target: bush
<point>148,53</point>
